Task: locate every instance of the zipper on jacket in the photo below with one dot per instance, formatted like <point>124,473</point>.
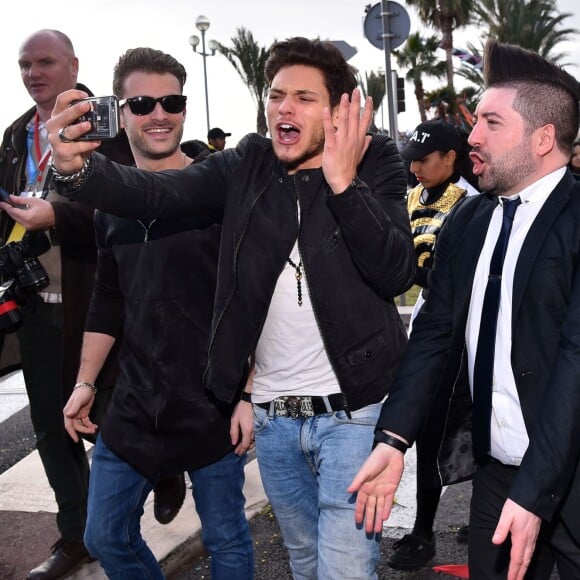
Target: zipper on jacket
<point>234,265</point>
<point>146,228</point>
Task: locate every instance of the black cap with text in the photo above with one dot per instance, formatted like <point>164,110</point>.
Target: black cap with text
<point>434,135</point>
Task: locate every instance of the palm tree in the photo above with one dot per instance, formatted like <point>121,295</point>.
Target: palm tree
<point>374,87</point>
<point>445,16</point>
<point>456,109</point>
<point>419,59</point>
<point>533,24</point>
<point>473,74</point>
<point>249,60</point>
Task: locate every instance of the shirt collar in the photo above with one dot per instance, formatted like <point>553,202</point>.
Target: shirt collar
<point>540,190</point>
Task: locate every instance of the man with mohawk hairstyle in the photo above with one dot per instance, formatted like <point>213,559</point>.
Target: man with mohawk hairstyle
<point>503,329</point>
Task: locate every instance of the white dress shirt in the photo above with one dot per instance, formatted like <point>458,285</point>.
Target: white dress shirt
<point>509,437</point>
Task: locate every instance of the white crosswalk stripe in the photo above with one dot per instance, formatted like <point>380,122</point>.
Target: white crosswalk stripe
<point>13,396</point>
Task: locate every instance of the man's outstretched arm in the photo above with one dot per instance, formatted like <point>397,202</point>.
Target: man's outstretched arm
<point>375,485</point>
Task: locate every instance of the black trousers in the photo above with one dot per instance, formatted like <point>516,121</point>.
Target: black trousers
<point>65,462</point>
<point>555,546</point>
<point>428,479</point>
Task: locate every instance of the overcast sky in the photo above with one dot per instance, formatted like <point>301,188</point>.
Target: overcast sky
<point>102,30</point>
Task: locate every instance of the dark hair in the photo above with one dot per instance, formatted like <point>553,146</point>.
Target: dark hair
<point>545,93</point>
<point>570,166</point>
<point>339,76</point>
<point>146,60</point>
<point>462,164</point>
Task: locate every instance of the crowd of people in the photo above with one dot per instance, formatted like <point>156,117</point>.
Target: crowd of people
<point>225,298</point>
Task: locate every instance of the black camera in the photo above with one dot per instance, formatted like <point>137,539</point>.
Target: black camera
<point>22,274</point>
<point>104,118</point>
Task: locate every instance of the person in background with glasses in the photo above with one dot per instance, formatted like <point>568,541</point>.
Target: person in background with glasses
<point>49,339</point>
<point>155,287</point>
<point>498,335</point>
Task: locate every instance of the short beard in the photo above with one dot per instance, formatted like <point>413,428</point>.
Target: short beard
<point>507,173</point>
<point>294,164</point>
<point>315,149</point>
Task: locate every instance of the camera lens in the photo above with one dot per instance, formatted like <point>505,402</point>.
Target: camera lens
<point>32,276</point>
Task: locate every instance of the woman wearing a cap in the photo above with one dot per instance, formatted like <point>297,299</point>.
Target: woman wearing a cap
<point>439,160</point>
<point>437,156</point>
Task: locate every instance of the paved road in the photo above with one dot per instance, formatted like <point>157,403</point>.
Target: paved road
<point>272,560</point>
<point>17,441</point>
<point>16,434</point>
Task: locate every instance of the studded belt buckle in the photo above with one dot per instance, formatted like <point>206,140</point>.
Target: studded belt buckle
<point>294,407</point>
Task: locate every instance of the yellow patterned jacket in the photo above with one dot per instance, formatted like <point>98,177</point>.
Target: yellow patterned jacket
<point>426,222</point>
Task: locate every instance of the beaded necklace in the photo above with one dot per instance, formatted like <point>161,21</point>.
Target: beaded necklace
<point>298,268</point>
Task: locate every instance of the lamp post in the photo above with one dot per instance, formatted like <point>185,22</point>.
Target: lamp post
<point>202,24</point>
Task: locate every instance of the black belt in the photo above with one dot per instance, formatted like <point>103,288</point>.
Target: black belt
<point>494,461</point>
<point>305,406</point>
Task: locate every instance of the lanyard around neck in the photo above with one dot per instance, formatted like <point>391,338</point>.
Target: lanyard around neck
<point>36,161</point>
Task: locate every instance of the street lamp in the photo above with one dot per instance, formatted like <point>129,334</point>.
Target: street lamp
<point>202,24</point>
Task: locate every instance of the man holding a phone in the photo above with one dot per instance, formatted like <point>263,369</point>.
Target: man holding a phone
<point>53,318</point>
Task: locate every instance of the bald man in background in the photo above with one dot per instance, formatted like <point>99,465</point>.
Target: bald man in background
<point>52,317</point>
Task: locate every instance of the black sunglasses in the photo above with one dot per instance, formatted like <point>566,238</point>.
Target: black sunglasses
<point>144,105</point>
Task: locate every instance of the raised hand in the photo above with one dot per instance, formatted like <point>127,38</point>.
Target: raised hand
<point>345,140</point>
<point>68,155</point>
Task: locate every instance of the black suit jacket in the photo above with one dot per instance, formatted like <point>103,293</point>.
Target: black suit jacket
<point>545,350</point>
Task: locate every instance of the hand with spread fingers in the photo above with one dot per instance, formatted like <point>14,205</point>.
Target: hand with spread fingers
<point>345,140</point>
<point>375,485</point>
<point>522,527</point>
<point>69,155</point>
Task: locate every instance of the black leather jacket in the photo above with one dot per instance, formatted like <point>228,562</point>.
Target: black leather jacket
<point>355,247</point>
<point>161,420</point>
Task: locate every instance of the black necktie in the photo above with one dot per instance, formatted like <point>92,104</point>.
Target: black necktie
<point>484,357</point>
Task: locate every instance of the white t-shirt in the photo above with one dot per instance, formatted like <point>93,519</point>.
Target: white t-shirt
<point>290,355</point>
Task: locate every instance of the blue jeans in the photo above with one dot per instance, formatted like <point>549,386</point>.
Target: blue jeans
<point>117,494</point>
<point>306,465</point>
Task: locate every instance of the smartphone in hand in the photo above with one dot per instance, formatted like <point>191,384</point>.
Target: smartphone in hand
<point>5,196</point>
